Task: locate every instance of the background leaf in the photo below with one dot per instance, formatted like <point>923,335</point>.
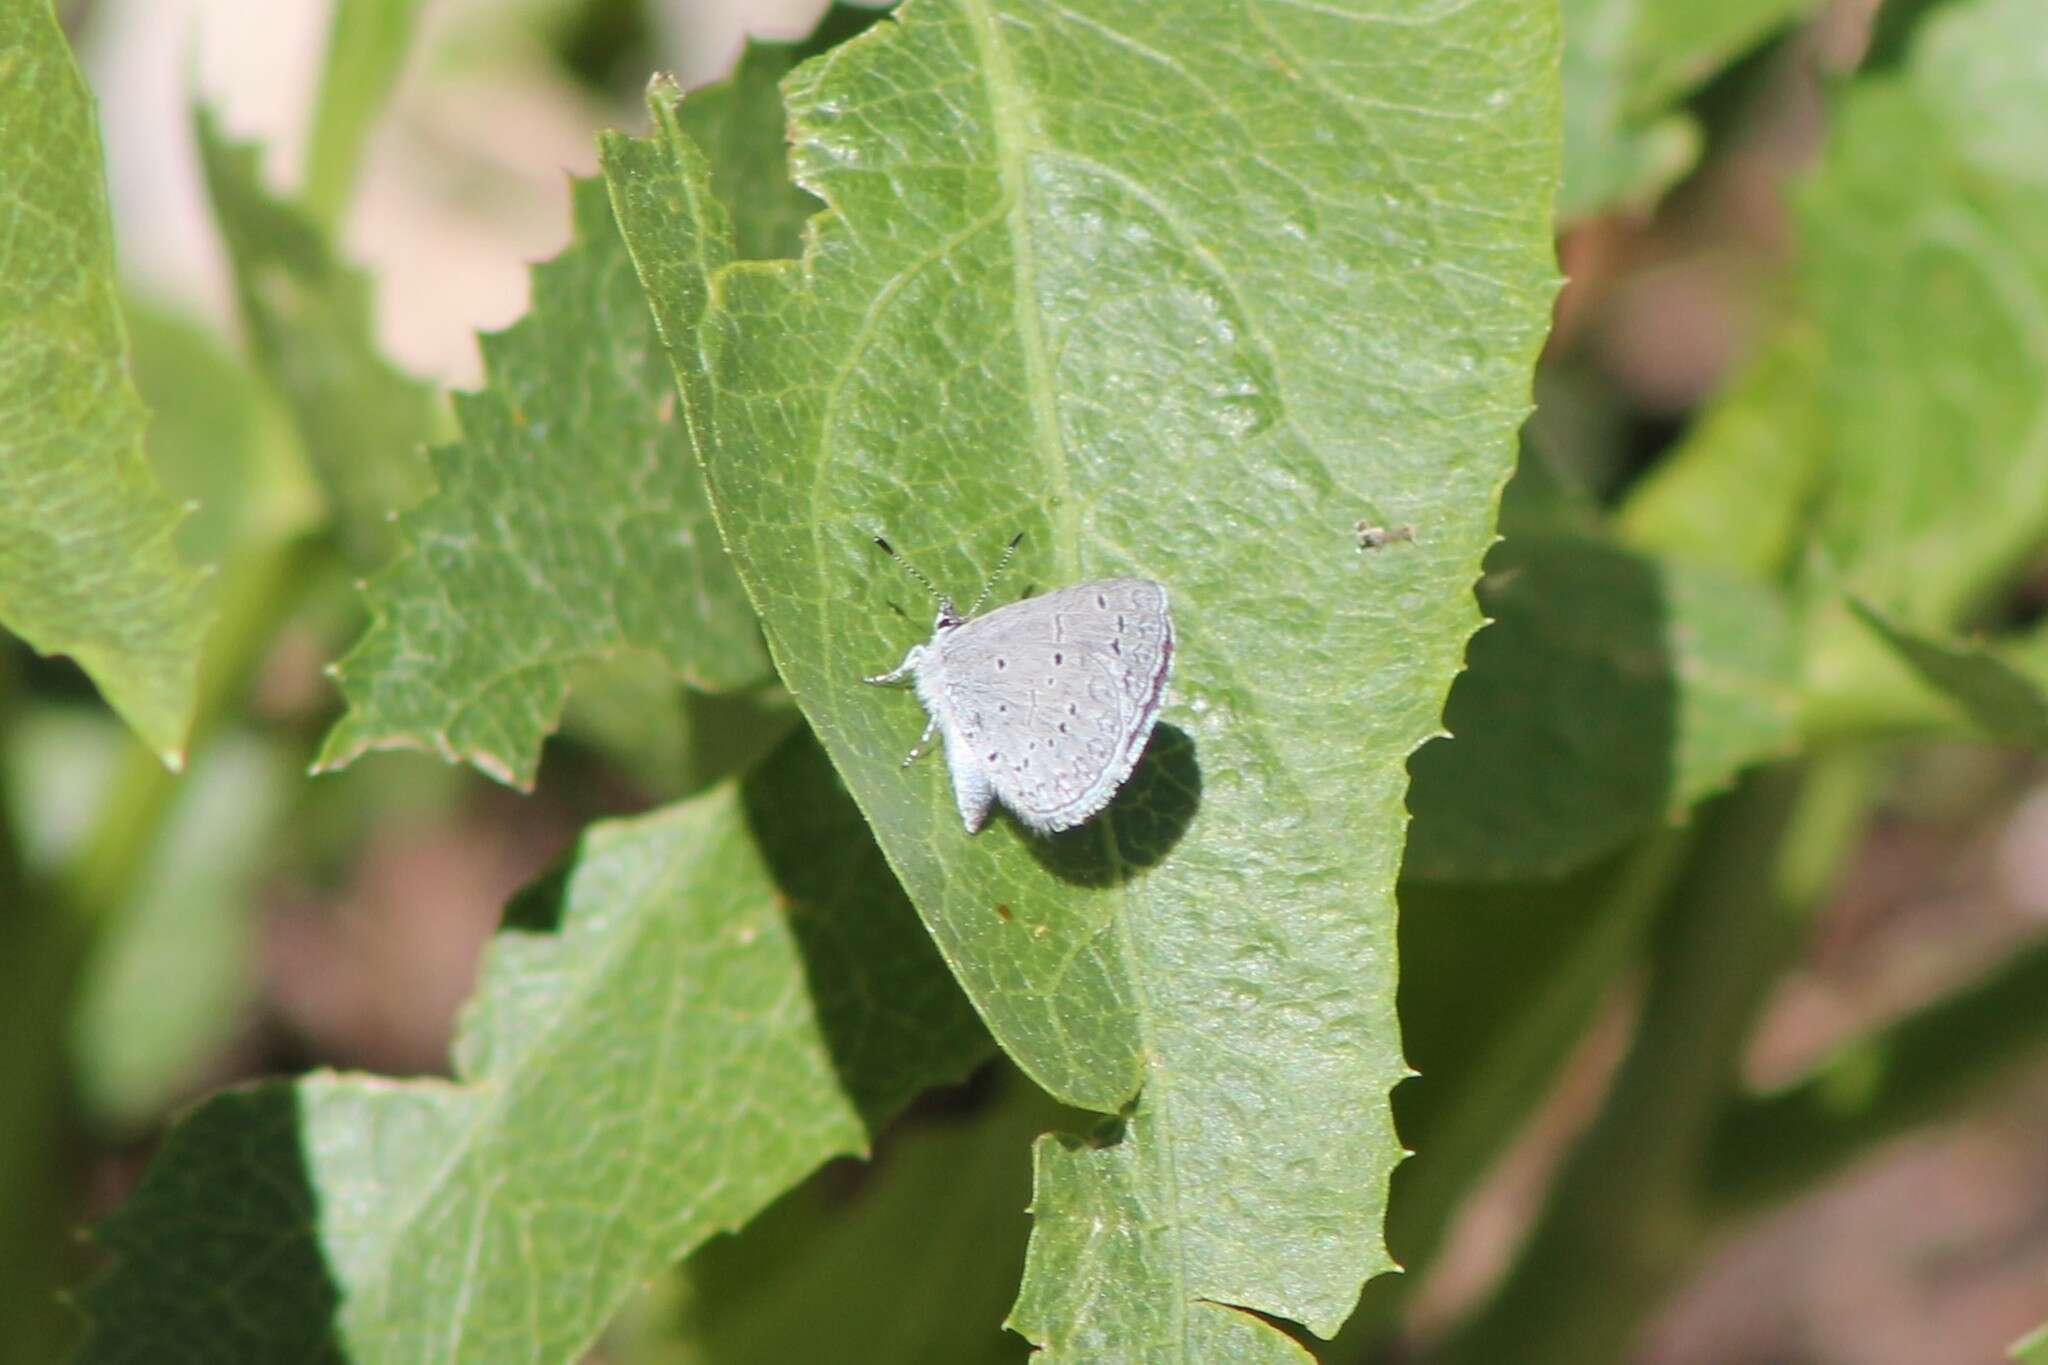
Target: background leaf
<point>1199,355</point>
<point>1627,64</point>
<point>713,1000</point>
<point>1931,295</point>
<point>1612,692</point>
<point>1737,492</point>
<point>306,317</point>
<point>2002,693</point>
<point>910,1258</point>
<point>87,563</point>
<point>570,524</point>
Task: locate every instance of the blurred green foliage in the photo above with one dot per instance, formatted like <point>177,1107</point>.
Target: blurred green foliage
<point>1176,297</point>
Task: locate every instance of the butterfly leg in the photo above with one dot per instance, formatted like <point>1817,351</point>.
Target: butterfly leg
<point>907,668</point>
<point>918,750</point>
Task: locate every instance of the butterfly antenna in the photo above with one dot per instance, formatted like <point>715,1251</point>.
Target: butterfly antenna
<point>910,568</point>
<point>1001,564</point>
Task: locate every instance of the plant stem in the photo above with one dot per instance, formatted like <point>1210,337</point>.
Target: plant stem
<point>1622,1220</point>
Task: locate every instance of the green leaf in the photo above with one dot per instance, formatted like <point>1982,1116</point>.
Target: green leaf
<point>1931,294</point>
<point>569,525</point>
<point>218,441</point>
<point>87,562</point>
<point>1196,347</point>
<point>1627,63</point>
<point>2031,1349</point>
<point>674,740</point>
<point>910,1259</point>
<point>1978,68</point>
<point>366,45</point>
<point>713,1000</point>
<point>1611,694</point>
<point>2000,694</point>
<point>307,320</point>
<point>1737,493</point>
<point>738,123</point>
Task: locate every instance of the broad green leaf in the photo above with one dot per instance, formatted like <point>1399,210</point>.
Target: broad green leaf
<point>1627,64</point>
<point>1195,345</point>
<point>366,46</point>
<point>1612,692</point>
<point>1737,492</point>
<point>88,566</point>
<point>2005,695</point>
<point>713,1000</point>
<point>169,978</point>
<point>306,317</point>
<point>740,127</point>
<point>569,525</point>
<point>1931,294</point>
<point>910,1259</point>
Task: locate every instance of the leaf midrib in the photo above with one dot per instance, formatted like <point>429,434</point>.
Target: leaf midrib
<point>1015,136</point>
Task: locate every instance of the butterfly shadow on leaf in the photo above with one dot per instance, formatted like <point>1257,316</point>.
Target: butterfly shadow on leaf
<point>1140,826</point>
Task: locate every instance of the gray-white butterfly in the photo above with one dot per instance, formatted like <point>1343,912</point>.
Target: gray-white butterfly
<point>1044,705</point>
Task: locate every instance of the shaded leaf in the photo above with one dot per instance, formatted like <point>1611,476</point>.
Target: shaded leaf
<point>306,317</point>
<point>712,1000</point>
<point>569,525</point>
<point>1195,348</point>
<point>1611,694</point>
<point>87,562</point>
<point>909,1260</point>
<point>1500,984</point>
<point>674,740</point>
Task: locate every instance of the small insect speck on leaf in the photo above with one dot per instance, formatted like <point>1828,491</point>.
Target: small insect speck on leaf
<point>1372,537</point>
